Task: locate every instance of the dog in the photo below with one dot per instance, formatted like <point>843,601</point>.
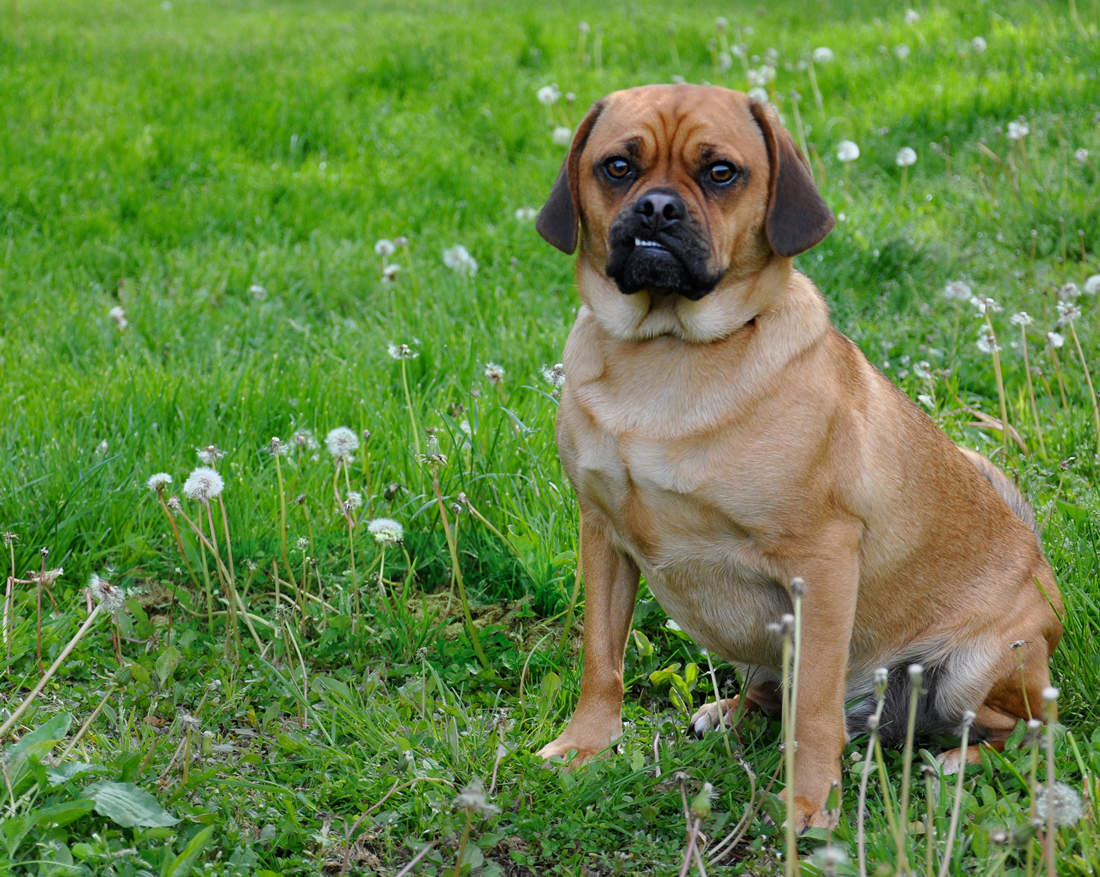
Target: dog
<point>724,439</point>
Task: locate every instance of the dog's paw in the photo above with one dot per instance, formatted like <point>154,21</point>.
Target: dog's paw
<point>952,761</point>
<point>569,752</point>
<point>710,716</point>
<point>807,816</point>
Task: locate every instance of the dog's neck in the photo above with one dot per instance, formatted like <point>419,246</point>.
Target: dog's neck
<point>645,315</point>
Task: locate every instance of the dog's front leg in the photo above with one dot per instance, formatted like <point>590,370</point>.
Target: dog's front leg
<point>611,587</point>
<point>831,575</point>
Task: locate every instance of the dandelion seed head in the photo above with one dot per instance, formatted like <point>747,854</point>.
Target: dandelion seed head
<point>204,483</point>
<point>458,259</point>
<point>385,248</point>
<point>257,292</point>
<point>906,157</point>
<point>926,400</point>
<point>1050,694</point>
<point>978,44</point>
<point>1018,130</point>
<point>209,455</point>
<point>401,351</point>
<point>584,27</point>
<point>303,438</point>
<point>386,531</point>
<point>277,447</point>
<point>1023,318</point>
<point>968,718</point>
<point>987,341</point>
<point>911,16</point>
<point>118,314</point>
<point>983,304</point>
<point>158,481</point>
<point>353,500</point>
<point>525,214</point>
<point>173,502</point>
<point>1092,285</point>
<point>1067,313</point>
<point>822,55</point>
<point>390,272</point>
<point>831,856</point>
<point>1082,155</point>
<point>104,592</point>
<point>562,136</point>
<point>553,375</point>
<point>721,23</point>
<point>341,442</point>
<point>902,51</point>
<point>847,151</point>
<point>1063,800</point>
<point>758,95</point>
<point>472,798</point>
<point>957,290</point>
<point>1068,291</point>
<point>1055,339</point>
<point>548,95</point>
<point>494,373</point>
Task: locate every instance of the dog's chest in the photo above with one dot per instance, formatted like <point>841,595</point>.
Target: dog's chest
<point>685,509</point>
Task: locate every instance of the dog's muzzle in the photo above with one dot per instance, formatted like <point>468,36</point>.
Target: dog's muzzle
<point>655,245</point>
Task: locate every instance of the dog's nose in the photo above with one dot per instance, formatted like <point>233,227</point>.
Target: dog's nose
<point>660,209</point>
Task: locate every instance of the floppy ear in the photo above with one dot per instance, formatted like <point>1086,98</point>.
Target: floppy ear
<point>557,222</point>
<point>797,217</point>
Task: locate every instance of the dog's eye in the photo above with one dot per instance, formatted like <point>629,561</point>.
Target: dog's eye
<point>617,167</point>
<point>722,173</point>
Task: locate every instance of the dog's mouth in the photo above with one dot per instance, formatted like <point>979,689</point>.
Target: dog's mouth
<point>667,262</point>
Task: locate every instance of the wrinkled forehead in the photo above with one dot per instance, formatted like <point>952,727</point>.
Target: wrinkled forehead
<point>691,123</point>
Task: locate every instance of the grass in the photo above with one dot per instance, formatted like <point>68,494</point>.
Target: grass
<point>222,173</point>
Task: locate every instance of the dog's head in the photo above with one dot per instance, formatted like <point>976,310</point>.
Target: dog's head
<point>678,195</point>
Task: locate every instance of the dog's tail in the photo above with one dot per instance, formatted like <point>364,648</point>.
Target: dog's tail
<point>1008,491</point>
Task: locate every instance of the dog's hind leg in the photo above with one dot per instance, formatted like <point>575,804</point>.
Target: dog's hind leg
<point>728,712</point>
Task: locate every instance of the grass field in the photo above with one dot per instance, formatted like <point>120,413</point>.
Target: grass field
<point>221,172</point>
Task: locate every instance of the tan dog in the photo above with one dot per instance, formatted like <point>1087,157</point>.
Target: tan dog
<point>723,438</point>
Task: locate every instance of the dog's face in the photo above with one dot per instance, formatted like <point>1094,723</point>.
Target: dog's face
<point>680,194</point>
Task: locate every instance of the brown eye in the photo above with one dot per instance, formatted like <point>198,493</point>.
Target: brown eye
<point>722,173</point>
<point>617,168</point>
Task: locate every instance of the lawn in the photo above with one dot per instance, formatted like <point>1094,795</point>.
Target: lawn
<point>221,222</point>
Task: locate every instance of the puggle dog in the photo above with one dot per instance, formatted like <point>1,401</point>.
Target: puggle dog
<point>724,439</point>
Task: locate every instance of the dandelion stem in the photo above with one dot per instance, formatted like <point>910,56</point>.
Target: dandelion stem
<point>19,710</point>
<point>1088,381</point>
<point>790,864</point>
<point>1000,384</point>
<point>953,827</point>
<point>457,573</point>
<point>409,406</point>
<point>1031,393</point>
<point>907,766</point>
<point>176,533</point>
<point>1050,716</point>
<point>282,517</point>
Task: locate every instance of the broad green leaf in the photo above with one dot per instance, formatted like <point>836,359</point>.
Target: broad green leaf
<point>60,815</point>
<point>166,665</point>
<point>1075,513</point>
<point>128,806</point>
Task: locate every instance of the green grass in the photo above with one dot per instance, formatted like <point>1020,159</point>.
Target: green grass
<point>166,158</point>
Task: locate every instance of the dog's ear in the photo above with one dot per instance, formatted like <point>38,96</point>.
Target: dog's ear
<point>557,222</point>
<point>797,217</point>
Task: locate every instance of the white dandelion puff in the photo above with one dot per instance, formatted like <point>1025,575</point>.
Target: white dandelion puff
<point>1063,800</point>
<point>1082,155</point>
<point>401,351</point>
<point>978,44</point>
<point>203,484</point>
<point>957,290</point>
<point>158,482</point>
<point>548,95</point>
<point>209,455</point>
<point>911,16</point>
<point>1017,130</point>
<point>458,258</point>
<point>389,273</point>
<point>822,55</point>
<point>906,157</point>
<point>1023,318</point>
<point>386,531</point>
<point>118,314</point>
<point>303,438</point>
<point>385,248</point>
<point>562,136</point>
<point>525,214</point>
<point>758,95</point>
<point>257,292</point>
<point>494,373</point>
<point>341,442</point>
<point>553,375</point>
<point>112,598</point>
<point>1055,339</point>
<point>847,151</point>
<point>1067,313</point>
<point>987,341</point>
<point>1092,285</point>
<point>983,304</point>
<point>902,51</point>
